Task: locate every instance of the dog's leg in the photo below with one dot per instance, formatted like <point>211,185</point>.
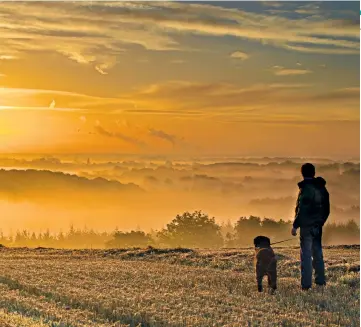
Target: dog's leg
<point>259,276</point>
<point>272,280</point>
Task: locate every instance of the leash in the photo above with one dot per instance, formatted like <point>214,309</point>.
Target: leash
<point>283,241</point>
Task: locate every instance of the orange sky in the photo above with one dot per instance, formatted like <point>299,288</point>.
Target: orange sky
<point>178,78</point>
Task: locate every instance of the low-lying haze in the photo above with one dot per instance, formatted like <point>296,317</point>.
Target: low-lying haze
<point>54,192</point>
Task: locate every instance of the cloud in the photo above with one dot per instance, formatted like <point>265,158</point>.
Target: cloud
<point>100,32</point>
<point>163,135</point>
<point>252,103</point>
<point>194,100</point>
<point>239,55</point>
<point>308,9</point>
<point>7,57</point>
<point>123,123</point>
<point>93,37</point>
<point>102,131</point>
<point>187,95</point>
<point>333,51</point>
<point>350,94</point>
<point>97,68</point>
<point>273,4</point>
<point>171,112</point>
<point>107,63</point>
<point>52,105</point>
<point>280,71</point>
<point>25,108</point>
<point>76,56</point>
<point>34,99</point>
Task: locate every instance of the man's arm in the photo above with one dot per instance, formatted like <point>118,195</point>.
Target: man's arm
<point>296,222</point>
<point>326,205</point>
<point>304,200</point>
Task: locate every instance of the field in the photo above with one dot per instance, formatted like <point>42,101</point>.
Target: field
<point>180,287</point>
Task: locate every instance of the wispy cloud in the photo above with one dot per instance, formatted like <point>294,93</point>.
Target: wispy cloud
<point>323,50</point>
<point>163,135</point>
<point>52,105</point>
<point>253,103</point>
<point>239,55</point>
<point>100,31</point>
<point>31,98</point>
<point>77,56</point>
<point>100,70</point>
<point>24,108</point>
<point>308,9</point>
<point>273,4</point>
<point>7,57</point>
<point>348,93</point>
<point>281,71</point>
<point>102,131</point>
<point>189,99</point>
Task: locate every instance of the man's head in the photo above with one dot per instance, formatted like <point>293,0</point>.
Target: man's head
<point>308,170</point>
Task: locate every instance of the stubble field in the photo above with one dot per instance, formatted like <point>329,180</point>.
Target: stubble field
<point>180,287</point>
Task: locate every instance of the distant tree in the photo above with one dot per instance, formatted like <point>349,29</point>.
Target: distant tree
<point>270,227</point>
<point>6,241</point>
<point>348,233</point>
<point>129,240</point>
<point>230,240</point>
<point>194,230</point>
<point>21,238</point>
<point>33,240</point>
<point>61,238</point>
<point>247,229</point>
<point>228,234</point>
<point>227,228</point>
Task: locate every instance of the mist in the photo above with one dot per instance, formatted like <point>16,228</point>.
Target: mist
<point>38,193</point>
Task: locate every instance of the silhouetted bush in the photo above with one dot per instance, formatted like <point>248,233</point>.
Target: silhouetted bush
<point>194,230</point>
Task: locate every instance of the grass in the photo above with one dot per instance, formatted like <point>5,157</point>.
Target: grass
<point>174,287</point>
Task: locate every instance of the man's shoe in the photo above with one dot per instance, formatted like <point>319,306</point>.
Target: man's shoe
<point>305,288</point>
<point>271,291</point>
<point>320,287</point>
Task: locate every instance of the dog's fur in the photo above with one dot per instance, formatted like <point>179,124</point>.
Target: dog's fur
<point>266,263</point>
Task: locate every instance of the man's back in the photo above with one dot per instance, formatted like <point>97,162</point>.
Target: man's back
<point>313,206</point>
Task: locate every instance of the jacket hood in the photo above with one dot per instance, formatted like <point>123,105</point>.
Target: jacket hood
<point>318,181</point>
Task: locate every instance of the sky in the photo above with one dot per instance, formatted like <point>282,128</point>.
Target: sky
<point>180,78</point>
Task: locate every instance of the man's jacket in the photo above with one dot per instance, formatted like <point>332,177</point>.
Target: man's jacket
<point>313,204</point>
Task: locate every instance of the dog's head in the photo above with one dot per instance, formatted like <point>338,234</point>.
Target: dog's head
<point>262,241</point>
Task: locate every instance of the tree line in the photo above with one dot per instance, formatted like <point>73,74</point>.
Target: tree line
<point>190,229</point>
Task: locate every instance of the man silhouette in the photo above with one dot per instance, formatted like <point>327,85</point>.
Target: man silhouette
<point>312,211</point>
